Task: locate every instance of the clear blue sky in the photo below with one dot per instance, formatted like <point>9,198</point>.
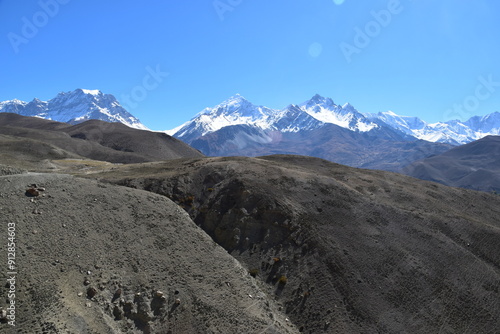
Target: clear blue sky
<point>419,61</point>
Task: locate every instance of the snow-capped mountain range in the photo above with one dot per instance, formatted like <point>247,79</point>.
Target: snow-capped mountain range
<point>452,132</point>
<point>82,104</point>
<point>75,107</point>
<point>309,115</point>
<point>319,111</point>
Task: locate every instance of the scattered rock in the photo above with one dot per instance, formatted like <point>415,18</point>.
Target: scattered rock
<point>91,292</point>
<point>32,192</point>
<point>117,294</point>
<point>158,303</point>
<point>118,313</point>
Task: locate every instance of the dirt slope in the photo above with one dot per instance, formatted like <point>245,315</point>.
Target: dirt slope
<point>345,250</point>
<point>96,258</point>
<point>474,166</point>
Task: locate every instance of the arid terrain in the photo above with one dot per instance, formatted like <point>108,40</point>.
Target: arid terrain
<point>473,166</point>
<point>276,244</point>
<point>97,258</point>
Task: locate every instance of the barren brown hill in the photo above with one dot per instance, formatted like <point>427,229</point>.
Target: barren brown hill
<point>345,250</point>
<point>97,140</point>
<point>96,258</point>
<point>474,166</point>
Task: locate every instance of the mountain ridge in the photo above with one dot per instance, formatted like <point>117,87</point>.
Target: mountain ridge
<point>83,104</point>
<point>75,107</point>
<point>323,110</point>
<point>318,128</point>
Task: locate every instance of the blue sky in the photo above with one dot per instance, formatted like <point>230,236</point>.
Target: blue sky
<point>436,59</point>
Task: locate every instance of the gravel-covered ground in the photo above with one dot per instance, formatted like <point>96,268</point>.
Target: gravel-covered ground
<point>345,250</point>
<point>98,258</point>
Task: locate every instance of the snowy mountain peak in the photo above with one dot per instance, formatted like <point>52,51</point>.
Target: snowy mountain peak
<point>326,111</point>
<point>235,98</point>
<point>236,101</point>
<point>234,111</point>
<point>75,107</point>
<point>94,92</point>
<point>318,100</point>
<point>348,106</point>
<point>14,101</point>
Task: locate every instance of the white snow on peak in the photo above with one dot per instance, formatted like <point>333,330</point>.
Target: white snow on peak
<point>84,104</point>
<point>307,116</point>
<point>13,101</point>
<point>453,132</point>
<point>74,107</point>
<point>319,110</point>
<point>327,115</point>
<point>346,116</point>
<point>234,111</point>
<point>94,92</point>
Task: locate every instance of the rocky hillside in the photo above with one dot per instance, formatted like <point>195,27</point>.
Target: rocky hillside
<point>344,250</point>
<point>277,244</point>
<point>96,258</point>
